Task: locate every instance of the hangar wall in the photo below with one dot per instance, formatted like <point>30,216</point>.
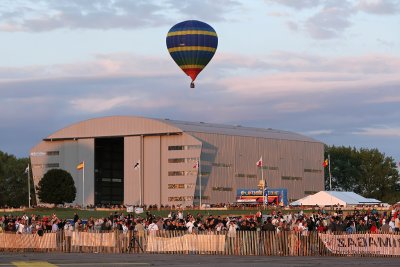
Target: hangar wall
<point>167,156</point>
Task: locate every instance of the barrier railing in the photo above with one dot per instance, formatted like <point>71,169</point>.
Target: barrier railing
<point>268,243</point>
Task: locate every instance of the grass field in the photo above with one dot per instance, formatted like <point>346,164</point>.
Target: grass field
<point>68,213</point>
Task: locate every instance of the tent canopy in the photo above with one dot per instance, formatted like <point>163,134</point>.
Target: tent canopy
<point>330,198</point>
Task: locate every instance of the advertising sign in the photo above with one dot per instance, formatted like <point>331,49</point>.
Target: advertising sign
<point>272,196</point>
<point>362,244</point>
<point>129,208</point>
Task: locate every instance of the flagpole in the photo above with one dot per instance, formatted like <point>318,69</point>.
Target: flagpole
<point>200,179</point>
<point>140,185</point>
<point>83,186</point>
<point>29,187</point>
<point>262,178</point>
<point>329,168</point>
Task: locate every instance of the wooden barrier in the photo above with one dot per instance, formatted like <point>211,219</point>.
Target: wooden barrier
<point>261,243</point>
<point>14,241</point>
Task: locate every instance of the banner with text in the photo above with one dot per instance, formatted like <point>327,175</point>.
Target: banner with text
<point>362,244</point>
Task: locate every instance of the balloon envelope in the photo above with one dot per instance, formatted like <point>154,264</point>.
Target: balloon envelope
<point>192,44</point>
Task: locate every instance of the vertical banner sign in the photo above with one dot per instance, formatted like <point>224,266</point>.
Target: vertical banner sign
<point>266,196</point>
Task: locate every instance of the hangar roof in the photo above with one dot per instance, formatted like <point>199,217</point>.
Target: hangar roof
<point>238,130</point>
<point>133,125</point>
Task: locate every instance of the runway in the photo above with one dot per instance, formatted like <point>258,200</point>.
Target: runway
<point>128,260</point>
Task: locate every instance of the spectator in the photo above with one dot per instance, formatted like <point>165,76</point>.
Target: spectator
<point>385,228</point>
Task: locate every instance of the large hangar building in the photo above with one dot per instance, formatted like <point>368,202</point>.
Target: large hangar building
<point>167,152</point>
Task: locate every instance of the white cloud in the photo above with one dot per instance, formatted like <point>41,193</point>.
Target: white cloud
<point>379,131</point>
<point>278,14</point>
<point>293,26</point>
<point>319,132</point>
<point>379,7</point>
<point>292,107</point>
<point>297,4</point>
<point>329,22</point>
<point>118,64</point>
<point>47,15</point>
<point>91,104</point>
<point>201,8</point>
<point>386,99</point>
<point>94,105</point>
<point>285,74</point>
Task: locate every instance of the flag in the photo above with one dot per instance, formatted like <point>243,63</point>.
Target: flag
<point>80,166</point>
<point>27,169</point>
<point>259,162</point>
<point>137,165</point>
<point>325,163</point>
<point>196,166</point>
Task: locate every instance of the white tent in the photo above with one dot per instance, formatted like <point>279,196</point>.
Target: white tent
<point>329,198</point>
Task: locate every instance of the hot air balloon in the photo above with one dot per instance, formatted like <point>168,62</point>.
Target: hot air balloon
<point>192,44</point>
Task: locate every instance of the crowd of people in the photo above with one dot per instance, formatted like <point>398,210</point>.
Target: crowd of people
<point>316,221</point>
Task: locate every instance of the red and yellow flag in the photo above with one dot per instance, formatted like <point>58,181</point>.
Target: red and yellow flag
<point>325,163</point>
<point>80,166</point>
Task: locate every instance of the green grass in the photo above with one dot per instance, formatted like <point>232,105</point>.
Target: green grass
<point>68,213</point>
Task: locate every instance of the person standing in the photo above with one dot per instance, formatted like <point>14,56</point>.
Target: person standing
<point>139,232</point>
<point>68,229</point>
<point>231,236</point>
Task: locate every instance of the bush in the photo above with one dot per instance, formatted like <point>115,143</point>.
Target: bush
<point>57,187</point>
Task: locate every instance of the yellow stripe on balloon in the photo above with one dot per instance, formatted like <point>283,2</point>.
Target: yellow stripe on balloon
<point>191,32</point>
<point>191,48</point>
<point>192,66</point>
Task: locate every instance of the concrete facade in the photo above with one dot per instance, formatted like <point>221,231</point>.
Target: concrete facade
<point>168,151</point>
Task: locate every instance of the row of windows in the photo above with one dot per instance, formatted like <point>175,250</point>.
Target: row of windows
<point>187,198</point>
<point>182,160</point>
<point>181,173</point>
<point>48,165</point>
<point>242,175</point>
<point>272,168</point>
<point>187,147</point>
<point>186,173</point>
<point>222,188</point>
<point>294,178</point>
<point>180,186</point>
<point>47,153</point>
<point>202,197</point>
<point>227,165</point>
<point>181,198</point>
<point>113,180</point>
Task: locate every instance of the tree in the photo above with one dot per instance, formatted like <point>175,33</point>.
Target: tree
<point>366,171</point>
<point>13,181</point>
<point>57,187</point>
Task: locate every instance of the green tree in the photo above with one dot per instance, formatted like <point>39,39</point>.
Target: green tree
<point>13,181</point>
<point>365,171</point>
<point>57,187</point>
<point>344,173</point>
<point>378,176</point>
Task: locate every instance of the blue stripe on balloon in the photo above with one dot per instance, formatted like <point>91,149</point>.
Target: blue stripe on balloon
<point>192,40</point>
<point>191,25</point>
<point>194,54</point>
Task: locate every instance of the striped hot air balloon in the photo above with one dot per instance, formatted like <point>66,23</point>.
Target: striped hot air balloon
<point>192,44</point>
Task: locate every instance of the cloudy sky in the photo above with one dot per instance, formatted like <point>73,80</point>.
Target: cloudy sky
<point>328,69</point>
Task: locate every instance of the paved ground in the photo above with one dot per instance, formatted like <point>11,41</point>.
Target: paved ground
<point>108,260</point>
